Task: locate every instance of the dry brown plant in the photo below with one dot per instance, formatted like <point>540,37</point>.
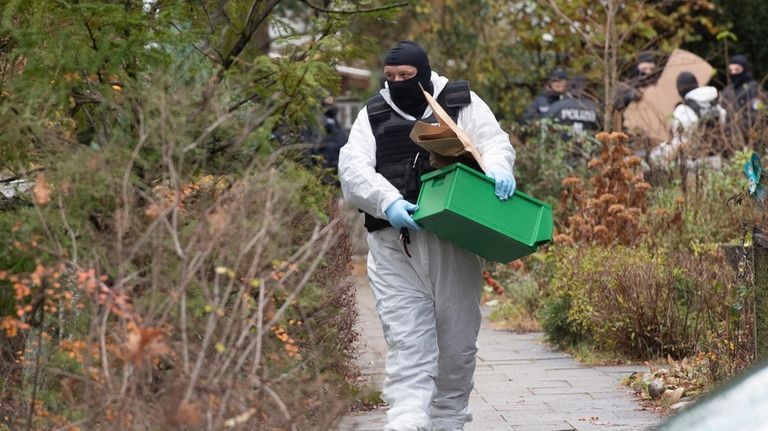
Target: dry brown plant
<point>609,209</point>
<point>211,303</point>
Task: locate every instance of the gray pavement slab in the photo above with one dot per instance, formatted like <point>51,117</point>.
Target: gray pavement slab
<point>521,384</point>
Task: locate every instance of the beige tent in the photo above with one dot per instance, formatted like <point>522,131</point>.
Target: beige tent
<point>651,115</point>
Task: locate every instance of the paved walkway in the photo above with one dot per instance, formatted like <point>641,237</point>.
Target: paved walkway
<point>520,384</point>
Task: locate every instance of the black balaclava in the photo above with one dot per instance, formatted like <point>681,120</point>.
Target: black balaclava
<point>646,57</point>
<point>686,81</point>
<point>406,94</point>
<point>640,78</point>
<point>331,111</point>
<point>742,78</point>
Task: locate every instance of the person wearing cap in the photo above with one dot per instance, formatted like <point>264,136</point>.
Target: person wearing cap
<point>698,111</point>
<point>742,97</point>
<point>554,90</point>
<point>427,289</point>
<point>576,109</point>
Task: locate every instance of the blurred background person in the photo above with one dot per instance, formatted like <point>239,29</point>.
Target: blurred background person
<point>743,98</point>
<point>695,119</point>
<point>554,91</point>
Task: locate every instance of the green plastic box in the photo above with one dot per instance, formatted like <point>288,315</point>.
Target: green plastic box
<point>459,204</point>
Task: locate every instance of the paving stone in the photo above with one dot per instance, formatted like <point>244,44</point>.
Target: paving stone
<point>559,390</point>
<point>593,408</point>
<point>489,426</point>
<point>592,380</point>
<point>631,414</point>
<point>504,397</point>
<point>611,394</point>
<point>541,383</point>
<point>478,404</point>
<point>598,423</point>
<point>526,417</point>
<point>544,426</point>
<point>488,378</point>
<point>488,416</point>
<point>522,406</point>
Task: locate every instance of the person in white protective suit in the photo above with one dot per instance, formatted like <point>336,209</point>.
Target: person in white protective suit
<point>427,290</point>
<point>698,114</point>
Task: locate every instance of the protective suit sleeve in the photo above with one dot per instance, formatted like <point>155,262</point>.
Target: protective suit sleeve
<point>477,120</point>
<point>361,185</point>
<point>683,119</point>
<point>722,115</point>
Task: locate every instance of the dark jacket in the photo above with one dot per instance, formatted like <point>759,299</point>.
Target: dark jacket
<point>335,137</point>
<point>743,103</point>
<point>580,113</point>
<point>539,108</point>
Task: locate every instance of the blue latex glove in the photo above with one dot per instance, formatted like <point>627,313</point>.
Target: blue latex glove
<point>399,214</point>
<point>505,183</point>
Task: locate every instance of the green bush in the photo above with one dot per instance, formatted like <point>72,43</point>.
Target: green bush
<point>516,308</point>
<point>702,212</point>
<point>642,304</point>
<point>553,316</point>
<point>547,154</point>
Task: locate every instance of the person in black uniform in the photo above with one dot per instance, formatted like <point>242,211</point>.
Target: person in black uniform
<point>742,98</point>
<point>644,74</point>
<point>577,109</point>
<point>554,91</point>
<point>580,114</point>
<point>335,135</point>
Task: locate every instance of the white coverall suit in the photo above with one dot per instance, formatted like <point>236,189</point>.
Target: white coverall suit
<point>428,303</point>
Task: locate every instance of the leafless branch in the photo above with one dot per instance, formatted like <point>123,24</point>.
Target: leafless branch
<point>355,11</point>
<point>588,40</point>
<point>72,236</point>
<point>219,121</point>
<point>280,404</point>
<point>200,50</point>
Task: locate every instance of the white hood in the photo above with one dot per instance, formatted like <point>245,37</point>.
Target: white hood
<point>706,94</point>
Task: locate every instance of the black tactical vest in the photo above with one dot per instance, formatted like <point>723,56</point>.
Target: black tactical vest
<point>398,158</point>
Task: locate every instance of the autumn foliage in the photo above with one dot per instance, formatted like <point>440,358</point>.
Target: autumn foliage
<point>608,209</point>
<point>221,339</point>
<point>176,263</point>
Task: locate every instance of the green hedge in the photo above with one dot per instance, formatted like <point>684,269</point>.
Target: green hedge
<point>641,304</point>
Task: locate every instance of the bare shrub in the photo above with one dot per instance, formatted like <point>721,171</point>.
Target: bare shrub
<point>202,316</point>
<point>643,305</point>
<point>165,296</point>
